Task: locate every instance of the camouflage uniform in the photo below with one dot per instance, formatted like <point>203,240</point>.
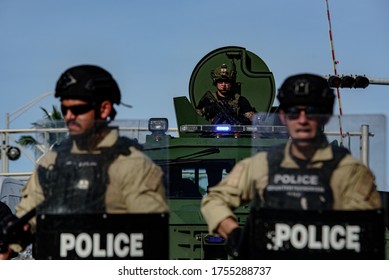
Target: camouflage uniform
<point>352,185</point>
<point>233,104</point>
<point>236,106</point>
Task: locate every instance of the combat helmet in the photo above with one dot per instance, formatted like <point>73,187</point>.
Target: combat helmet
<point>307,90</point>
<point>89,83</point>
<point>223,72</point>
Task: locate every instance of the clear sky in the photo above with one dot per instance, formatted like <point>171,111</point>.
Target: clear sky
<point>151,47</point>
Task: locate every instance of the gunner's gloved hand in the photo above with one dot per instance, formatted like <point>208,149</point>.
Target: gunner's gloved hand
<point>234,242</point>
<point>210,111</point>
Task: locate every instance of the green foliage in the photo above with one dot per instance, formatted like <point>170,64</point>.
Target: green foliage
<point>43,141</point>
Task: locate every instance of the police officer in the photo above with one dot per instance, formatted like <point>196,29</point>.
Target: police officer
<point>317,175</point>
<point>226,105</point>
<point>95,170</point>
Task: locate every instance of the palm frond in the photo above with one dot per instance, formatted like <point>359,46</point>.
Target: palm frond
<point>27,141</point>
<point>51,120</point>
<point>47,115</point>
<point>56,115</point>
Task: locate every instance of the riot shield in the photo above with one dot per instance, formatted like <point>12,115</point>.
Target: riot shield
<point>195,164</point>
<point>74,220</point>
<point>293,218</point>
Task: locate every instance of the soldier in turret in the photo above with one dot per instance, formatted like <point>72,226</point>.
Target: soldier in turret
<point>227,105</point>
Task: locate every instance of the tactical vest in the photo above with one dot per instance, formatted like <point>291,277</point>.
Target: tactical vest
<point>303,188</point>
<point>234,103</point>
<point>76,183</point>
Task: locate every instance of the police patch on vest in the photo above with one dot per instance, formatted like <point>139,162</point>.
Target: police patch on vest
<point>298,189</point>
<point>303,188</point>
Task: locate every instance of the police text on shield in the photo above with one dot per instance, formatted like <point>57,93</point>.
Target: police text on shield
<point>89,245</point>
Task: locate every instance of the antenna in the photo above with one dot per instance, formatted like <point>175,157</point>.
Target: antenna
<point>335,62</point>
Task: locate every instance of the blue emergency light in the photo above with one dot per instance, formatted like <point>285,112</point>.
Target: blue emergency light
<point>223,128</point>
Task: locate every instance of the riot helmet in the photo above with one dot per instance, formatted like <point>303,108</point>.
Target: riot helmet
<point>307,90</point>
<point>89,83</point>
<point>223,73</point>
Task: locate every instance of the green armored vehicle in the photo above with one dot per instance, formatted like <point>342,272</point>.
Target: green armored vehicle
<point>203,153</point>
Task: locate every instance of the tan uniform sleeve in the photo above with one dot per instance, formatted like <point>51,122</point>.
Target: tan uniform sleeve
<point>142,185</point>
<point>354,187</point>
<point>235,190</point>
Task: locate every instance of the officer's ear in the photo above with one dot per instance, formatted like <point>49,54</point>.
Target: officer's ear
<point>105,109</point>
<point>282,116</point>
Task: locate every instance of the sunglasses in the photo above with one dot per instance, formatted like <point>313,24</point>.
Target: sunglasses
<point>293,113</point>
<point>77,109</point>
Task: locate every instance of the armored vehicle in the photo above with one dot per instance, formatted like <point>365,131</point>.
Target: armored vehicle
<point>203,153</point>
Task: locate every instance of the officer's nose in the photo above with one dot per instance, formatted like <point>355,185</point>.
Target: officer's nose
<point>303,116</point>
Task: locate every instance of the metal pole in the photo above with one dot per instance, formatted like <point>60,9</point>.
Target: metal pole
<point>2,152</point>
<point>365,144</point>
<point>335,62</point>
<point>5,142</point>
<point>8,120</point>
<point>377,81</point>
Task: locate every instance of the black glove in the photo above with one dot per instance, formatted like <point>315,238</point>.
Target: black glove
<point>12,231</point>
<point>210,111</point>
<point>5,220</point>
<point>234,243</point>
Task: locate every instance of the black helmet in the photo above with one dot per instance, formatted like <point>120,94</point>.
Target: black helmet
<point>306,89</point>
<point>87,82</point>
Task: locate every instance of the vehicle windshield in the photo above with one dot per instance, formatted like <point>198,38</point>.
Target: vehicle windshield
<point>192,178</point>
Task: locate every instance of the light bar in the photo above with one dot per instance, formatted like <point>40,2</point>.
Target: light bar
<point>226,128</point>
